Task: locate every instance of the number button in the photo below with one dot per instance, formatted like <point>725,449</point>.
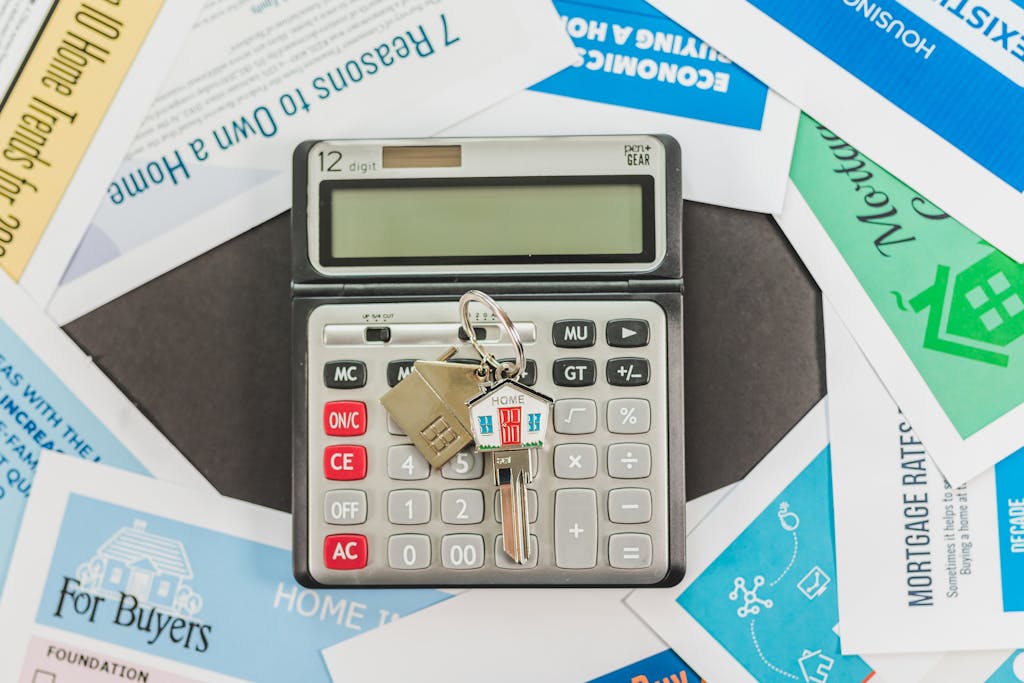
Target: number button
<point>409,551</point>
<point>345,551</point>
<point>573,334</point>
<point>399,370</point>
<point>627,333</point>
<point>462,551</point>
<point>466,464</point>
<point>345,507</point>
<point>628,372</point>
<point>345,374</point>
<point>409,506</point>
<point>345,418</point>
<point>462,506</point>
<point>405,463</point>
<point>575,372</point>
<point>345,463</point>
<point>629,416</point>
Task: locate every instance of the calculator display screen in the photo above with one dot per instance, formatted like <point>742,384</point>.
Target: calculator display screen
<point>487,220</point>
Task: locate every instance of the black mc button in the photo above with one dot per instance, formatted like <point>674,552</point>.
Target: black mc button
<point>345,374</point>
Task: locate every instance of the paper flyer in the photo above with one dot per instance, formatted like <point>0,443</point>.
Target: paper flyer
<point>128,574</point>
<point>758,602</point>
<point>52,396</point>
<point>638,71</point>
<point>930,90</point>
<point>213,158</point>
<point>938,312</point>
<point>76,80</point>
<point>606,638</point>
<point>924,566</point>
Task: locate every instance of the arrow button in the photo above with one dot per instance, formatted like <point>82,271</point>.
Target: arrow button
<point>628,333</point>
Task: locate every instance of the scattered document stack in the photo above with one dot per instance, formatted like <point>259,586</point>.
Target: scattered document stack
<point>881,539</point>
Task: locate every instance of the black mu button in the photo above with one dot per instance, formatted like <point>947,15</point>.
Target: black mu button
<point>628,372</point>
<point>399,370</point>
<point>575,372</point>
<point>345,374</point>
<point>627,333</point>
<point>573,334</point>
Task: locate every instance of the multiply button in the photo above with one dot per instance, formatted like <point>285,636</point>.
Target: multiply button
<point>628,372</point>
<point>345,551</point>
<point>575,461</point>
<point>345,374</point>
<point>345,463</point>
<point>627,333</point>
<point>345,418</point>
<point>573,334</point>
<point>575,372</point>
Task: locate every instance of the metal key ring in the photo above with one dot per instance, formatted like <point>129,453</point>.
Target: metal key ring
<point>517,342</point>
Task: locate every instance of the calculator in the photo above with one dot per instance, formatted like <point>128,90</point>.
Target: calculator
<point>579,240</point>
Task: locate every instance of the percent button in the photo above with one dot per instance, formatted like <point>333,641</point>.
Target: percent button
<point>629,416</point>
<point>628,372</point>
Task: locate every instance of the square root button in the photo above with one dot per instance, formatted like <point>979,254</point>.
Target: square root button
<point>575,416</point>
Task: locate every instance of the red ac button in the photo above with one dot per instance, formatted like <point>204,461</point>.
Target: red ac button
<point>345,551</point>
<point>345,418</point>
<point>345,463</point>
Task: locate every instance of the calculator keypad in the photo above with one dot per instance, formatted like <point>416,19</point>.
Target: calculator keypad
<point>599,501</point>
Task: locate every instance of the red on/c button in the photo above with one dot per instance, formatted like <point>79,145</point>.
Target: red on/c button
<point>345,418</point>
<point>345,463</point>
<point>345,551</point>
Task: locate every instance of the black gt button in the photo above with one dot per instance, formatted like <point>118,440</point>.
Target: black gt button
<point>345,374</point>
<point>575,372</point>
<point>628,372</point>
<point>573,334</point>
<point>627,333</point>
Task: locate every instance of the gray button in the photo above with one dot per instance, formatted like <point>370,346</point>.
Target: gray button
<point>345,507</point>
<point>629,506</point>
<point>393,427</point>
<point>409,551</point>
<point>629,460</point>
<point>406,463</point>
<point>531,503</point>
<point>462,551</point>
<point>409,506</point>
<point>503,561</point>
<point>467,464</point>
<point>576,528</point>
<point>462,506</point>
<point>629,416</point>
<point>629,551</point>
<point>575,416</point>
<point>575,461</point>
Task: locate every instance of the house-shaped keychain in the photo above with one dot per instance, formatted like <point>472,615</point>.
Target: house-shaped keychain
<point>509,416</point>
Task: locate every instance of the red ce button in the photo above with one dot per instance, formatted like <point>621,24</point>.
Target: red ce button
<point>345,463</point>
<point>345,551</point>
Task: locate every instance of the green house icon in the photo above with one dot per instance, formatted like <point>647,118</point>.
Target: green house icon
<point>984,312</point>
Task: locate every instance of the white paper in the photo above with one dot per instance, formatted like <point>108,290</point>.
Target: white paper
<point>920,564</point>
<point>338,73</point>
<point>941,126</point>
<point>111,141</point>
<point>736,138</point>
<point>185,585</point>
<point>53,396</point>
<point>759,599</point>
<point>582,633</point>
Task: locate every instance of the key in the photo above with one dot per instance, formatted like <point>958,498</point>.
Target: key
<point>429,405</point>
<point>511,476</point>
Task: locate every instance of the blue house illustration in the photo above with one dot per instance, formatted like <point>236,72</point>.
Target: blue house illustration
<point>151,568</point>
